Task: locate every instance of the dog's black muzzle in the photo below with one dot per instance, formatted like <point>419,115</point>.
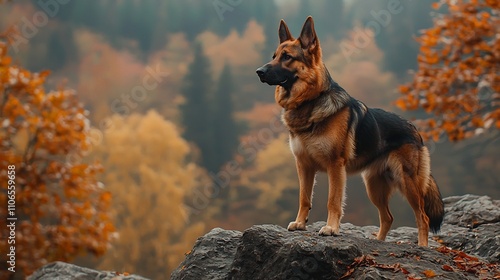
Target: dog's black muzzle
<point>265,75</point>
<point>273,75</point>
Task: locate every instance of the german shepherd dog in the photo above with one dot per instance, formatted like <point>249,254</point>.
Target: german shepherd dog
<point>332,132</point>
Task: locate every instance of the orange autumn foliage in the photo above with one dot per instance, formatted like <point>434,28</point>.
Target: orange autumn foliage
<point>458,71</point>
<point>61,209</point>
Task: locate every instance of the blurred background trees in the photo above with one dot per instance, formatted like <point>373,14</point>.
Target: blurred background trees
<point>272,177</point>
<point>196,112</point>
<point>203,146</point>
<point>148,174</point>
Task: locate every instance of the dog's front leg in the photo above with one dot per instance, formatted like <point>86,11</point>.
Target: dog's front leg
<point>306,182</point>
<point>336,182</point>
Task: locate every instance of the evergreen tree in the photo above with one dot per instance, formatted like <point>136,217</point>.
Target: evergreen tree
<point>58,49</point>
<point>332,14</point>
<point>269,19</point>
<point>225,128</point>
<point>225,131</point>
<point>396,34</point>
<point>328,14</point>
<point>196,109</point>
<point>397,41</point>
<point>80,11</point>
<point>189,17</point>
<point>137,21</point>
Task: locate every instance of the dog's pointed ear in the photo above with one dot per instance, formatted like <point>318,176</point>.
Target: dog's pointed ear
<point>284,32</point>
<point>308,38</point>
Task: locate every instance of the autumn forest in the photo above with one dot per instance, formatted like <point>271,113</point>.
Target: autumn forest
<point>130,128</point>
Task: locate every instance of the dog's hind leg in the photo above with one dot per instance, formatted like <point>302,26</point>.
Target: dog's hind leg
<point>306,182</point>
<point>406,168</point>
<point>379,192</point>
<point>415,197</point>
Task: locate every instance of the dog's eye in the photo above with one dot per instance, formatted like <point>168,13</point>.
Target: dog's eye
<point>286,56</point>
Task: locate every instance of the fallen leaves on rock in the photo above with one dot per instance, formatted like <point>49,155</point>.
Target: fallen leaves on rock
<point>470,264</point>
<point>369,261</point>
<point>429,273</point>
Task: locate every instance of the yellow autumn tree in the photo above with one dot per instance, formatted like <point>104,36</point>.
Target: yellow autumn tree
<point>150,177</point>
<point>59,209</point>
<point>458,70</point>
<point>274,178</point>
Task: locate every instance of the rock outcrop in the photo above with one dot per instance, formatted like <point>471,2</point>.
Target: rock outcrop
<point>468,247</point>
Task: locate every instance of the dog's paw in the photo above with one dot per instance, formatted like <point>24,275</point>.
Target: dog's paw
<point>328,230</point>
<point>296,226</point>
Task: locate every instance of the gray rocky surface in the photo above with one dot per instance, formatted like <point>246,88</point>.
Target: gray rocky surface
<point>468,247</point>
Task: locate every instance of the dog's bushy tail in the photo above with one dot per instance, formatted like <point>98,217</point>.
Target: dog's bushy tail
<point>434,206</point>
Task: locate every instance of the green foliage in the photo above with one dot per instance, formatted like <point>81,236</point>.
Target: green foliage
<point>58,51</point>
<point>138,20</point>
<point>331,13</point>
<point>396,31</point>
<point>196,112</point>
<point>224,125</point>
<point>208,117</point>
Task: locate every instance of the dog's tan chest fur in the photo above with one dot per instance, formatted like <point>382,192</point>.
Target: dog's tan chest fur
<point>324,142</point>
<point>313,150</point>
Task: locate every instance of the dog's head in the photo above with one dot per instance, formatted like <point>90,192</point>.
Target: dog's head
<point>294,59</point>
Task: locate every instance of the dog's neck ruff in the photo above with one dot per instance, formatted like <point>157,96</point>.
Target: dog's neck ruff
<point>296,92</point>
<point>308,114</point>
